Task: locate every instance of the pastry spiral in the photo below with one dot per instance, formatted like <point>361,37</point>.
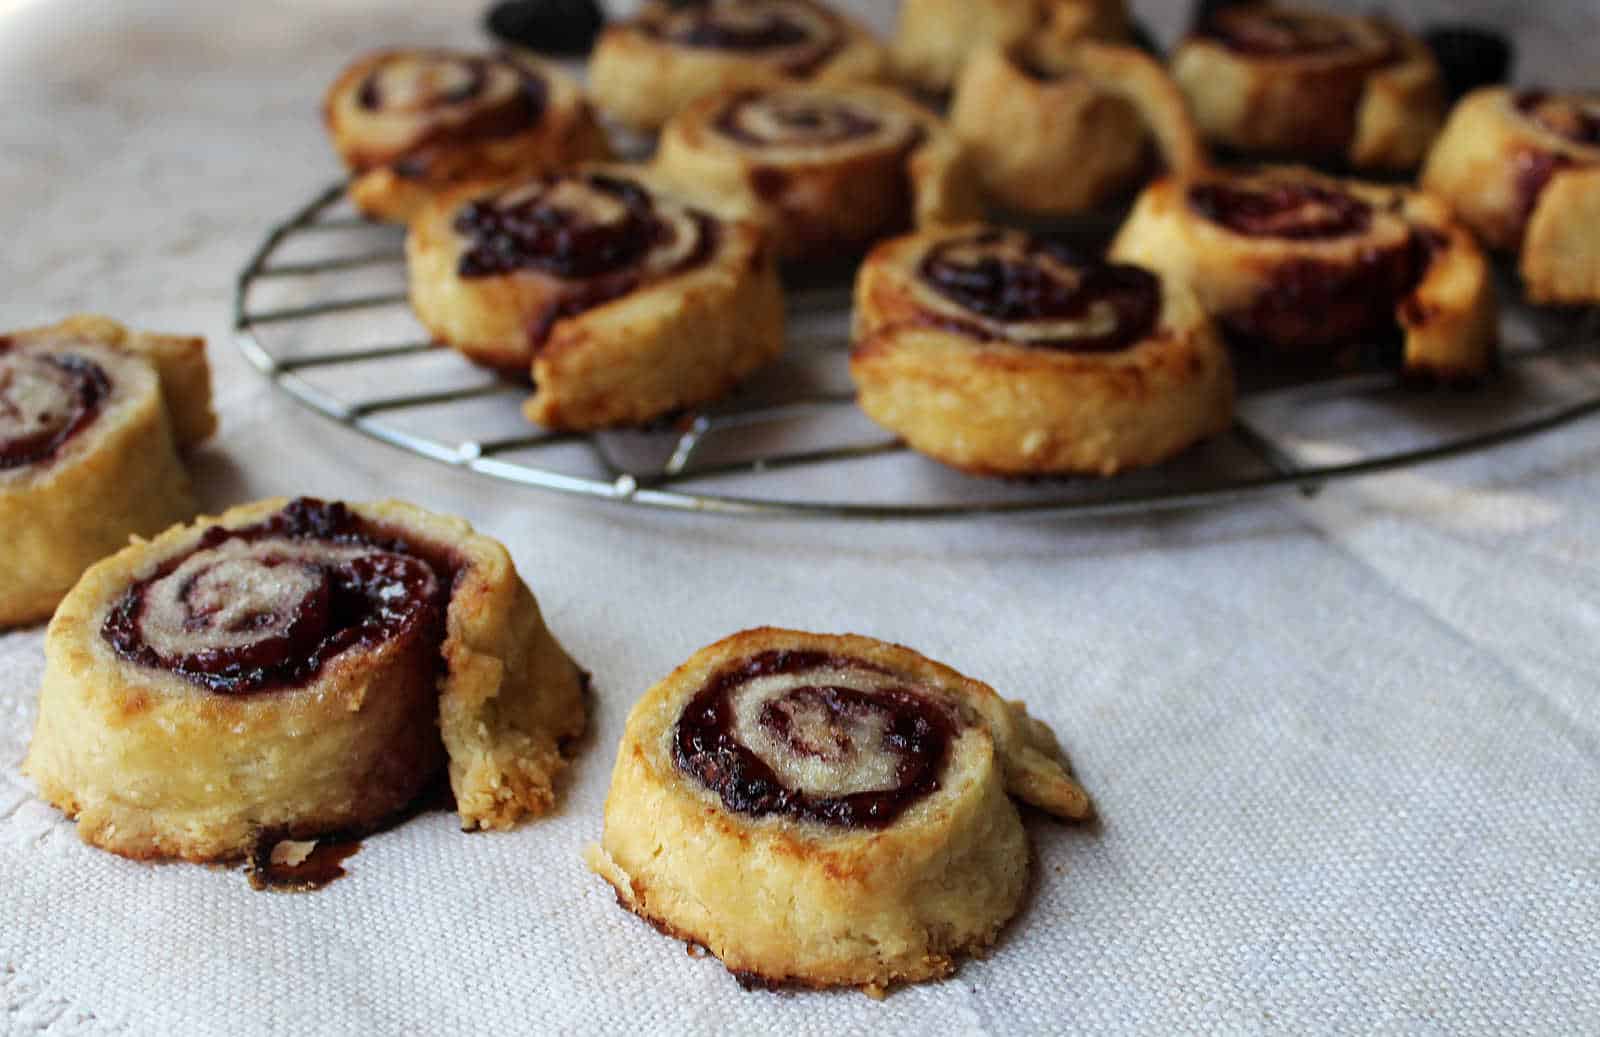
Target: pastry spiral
<point>1305,267</point>
<point>1055,130</point>
<point>827,811</point>
<point>827,170</point>
<point>625,302</point>
<point>1522,169</point>
<point>92,419</point>
<point>295,668</point>
<point>936,38</point>
<point>999,353</point>
<point>1311,85</point>
<point>411,123</point>
<point>672,52</point>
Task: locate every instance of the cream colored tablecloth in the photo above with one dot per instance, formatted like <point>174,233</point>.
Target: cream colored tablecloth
<point>1346,751</point>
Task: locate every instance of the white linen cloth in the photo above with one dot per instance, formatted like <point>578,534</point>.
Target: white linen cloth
<point>1346,751</point>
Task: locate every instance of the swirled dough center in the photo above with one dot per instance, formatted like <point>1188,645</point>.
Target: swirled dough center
<point>1292,209</point>
<point>44,400</point>
<point>806,120</point>
<point>269,605</point>
<point>1265,32</point>
<point>774,28</point>
<point>817,736</point>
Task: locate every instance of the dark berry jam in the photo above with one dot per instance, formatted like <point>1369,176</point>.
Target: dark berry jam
<point>1015,279</point>
<point>45,400</point>
<point>914,733</point>
<point>267,606</point>
<point>1311,303</point>
<point>567,241</point>
<point>1290,210</point>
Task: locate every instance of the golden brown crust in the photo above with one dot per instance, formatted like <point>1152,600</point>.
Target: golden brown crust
<point>1446,312</point>
<point>119,477</point>
<point>668,342</point>
<point>791,902</point>
<point>400,160</point>
<point>989,406</point>
<point>1376,102</point>
<point>818,200</point>
<point>153,766</point>
<point>936,38</point>
<point>642,80</point>
<point>1561,252</point>
<point>1060,130</point>
<point>1522,189</point>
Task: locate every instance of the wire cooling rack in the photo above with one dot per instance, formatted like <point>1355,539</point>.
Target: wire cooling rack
<point>321,310</point>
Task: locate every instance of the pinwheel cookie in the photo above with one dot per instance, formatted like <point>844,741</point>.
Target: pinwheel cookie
<point>1522,169</point>
<point>623,301</point>
<point>295,668</point>
<point>827,170</point>
<point>647,69</point>
<point>412,123</point>
<point>1004,354</point>
<point>1304,268</point>
<point>93,417</point>
<point>1311,85</point>
<point>827,811</point>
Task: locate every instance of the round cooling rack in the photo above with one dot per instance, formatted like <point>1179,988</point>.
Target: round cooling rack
<point>321,310</point>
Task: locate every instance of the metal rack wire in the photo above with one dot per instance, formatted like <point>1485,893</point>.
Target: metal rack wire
<point>321,310</point>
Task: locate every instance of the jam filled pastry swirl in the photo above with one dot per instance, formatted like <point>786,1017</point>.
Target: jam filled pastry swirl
<point>294,669</point>
<point>1054,130</point>
<point>827,170</point>
<point>649,68</point>
<point>1522,169</point>
<point>1312,85</point>
<point>1002,354</point>
<point>937,38</point>
<point>1307,269</point>
<point>92,421</point>
<point>623,302</point>
<point>411,123</point>
<point>865,789</point>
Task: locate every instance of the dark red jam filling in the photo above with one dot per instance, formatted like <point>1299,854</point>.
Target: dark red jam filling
<point>917,734</point>
<point>1309,303</point>
<point>1262,32</point>
<point>1533,169</point>
<point>1575,119</point>
<point>1294,211</point>
<point>1029,288</point>
<point>535,235</point>
<point>799,124</point>
<point>86,388</point>
<point>389,592</point>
